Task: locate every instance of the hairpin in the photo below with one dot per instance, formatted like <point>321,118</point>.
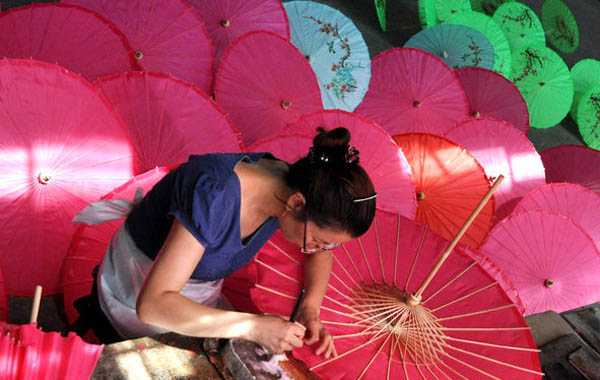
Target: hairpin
<point>350,156</point>
<point>365,198</point>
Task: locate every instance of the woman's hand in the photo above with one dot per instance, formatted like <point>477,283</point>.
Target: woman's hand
<point>315,331</point>
<point>278,335</point>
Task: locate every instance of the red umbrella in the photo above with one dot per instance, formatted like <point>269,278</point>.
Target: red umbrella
<point>551,260</point>
<point>167,36</point>
<point>449,183</point>
<point>379,155</point>
<point>67,150</point>
<point>501,149</point>
<point>413,91</point>
<point>491,94</point>
<point>226,20</point>
<point>90,242</point>
<point>168,118</point>
<point>74,37</point>
<point>264,82</point>
<point>464,326</point>
<point>573,163</point>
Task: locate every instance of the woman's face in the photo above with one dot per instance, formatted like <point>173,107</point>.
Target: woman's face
<point>310,237</point>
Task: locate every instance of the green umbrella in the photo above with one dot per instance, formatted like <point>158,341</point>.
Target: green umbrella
<point>487,6</point>
<point>380,7</point>
<point>447,8</point>
<point>560,26</point>
<point>588,117</point>
<point>486,26</point>
<point>545,82</point>
<point>586,74</point>
<point>427,13</point>
<point>520,25</point>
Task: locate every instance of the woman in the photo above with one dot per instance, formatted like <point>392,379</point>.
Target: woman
<point>209,216</point>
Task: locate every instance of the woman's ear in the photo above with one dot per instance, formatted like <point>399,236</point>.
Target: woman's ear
<point>296,203</point>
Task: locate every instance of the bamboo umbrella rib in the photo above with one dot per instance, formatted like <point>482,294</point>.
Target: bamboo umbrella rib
<point>340,313</point>
<point>431,372</point>
<point>465,296</point>
<point>449,282</point>
<point>279,272</point>
<point>454,371</point>
<point>343,324</point>
<point>370,305</point>
<point>396,253</point>
<point>354,335</point>
<point>389,361</point>
<point>485,328</point>
<point>259,286</point>
<point>284,252</point>
<point>375,338</point>
<point>335,275</point>
<point>340,303</point>
<point>373,357</point>
<point>350,299</point>
<point>471,366</point>
<point>444,373</point>
<point>353,263</point>
<point>364,256</point>
<point>379,251</point>
<point>493,345</point>
<point>416,258</point>
<point>377,309</point>
<point>344,268</point>
<point>477,312</point>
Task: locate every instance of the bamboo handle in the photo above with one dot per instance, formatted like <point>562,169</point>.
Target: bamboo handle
<point>35,307</point>
<point>458,236</point>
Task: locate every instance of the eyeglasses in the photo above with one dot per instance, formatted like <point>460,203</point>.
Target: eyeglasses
<point>310,251</point>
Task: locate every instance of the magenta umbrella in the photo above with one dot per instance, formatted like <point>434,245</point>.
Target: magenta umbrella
<point>167,36</point>
<point>226,20</point>
<point>502,150</point>
<point>413,91</point>
<point>264,82</point>
<point>168,118</point>
<point>573,163</point>
<point>491,94</point>
<point>74,37</point>
<point>381,157</point>
<point>66,151</point>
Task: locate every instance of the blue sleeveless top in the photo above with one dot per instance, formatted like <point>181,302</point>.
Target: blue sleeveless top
<point>204,195</point>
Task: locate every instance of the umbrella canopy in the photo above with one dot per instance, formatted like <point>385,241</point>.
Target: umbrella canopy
<point>585,74</point>
<point>573,163</point>
<point>488,27</point>
<point>450,182</point>
<point>380,156</point>
<point>520,25</point>
<point>167,118</point>
<point>167,36</point>
<point>490,94</point>
<point>90,242</point>
<point>380,7</point>
<point>263,92</point>
<point>226,20</point>
<point>560,25</point>
<point>568,199</point>
<point>551,260</point>
<point>3,299</point>
<point>465,325</point>
<point>502,149</point>
<point>335,49</point>
<point>545,82</point>
<point>488,6</point>
<point>427,13</point>
<point>456,45</point>
<point>68,150</point>
<point>411,90</point>
<point>588,117</point>
<point>76,38</point>
<point>444,9</point>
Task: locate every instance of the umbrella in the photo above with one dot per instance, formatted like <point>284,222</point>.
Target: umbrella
<point>380,7</point>
<point>573,163</point>
<point>560,25</point>
<point>380,156</point>
<point>444,9</point>
<point>74,37</point>
<point>551,260</point>
<point>90,242</point>
<point>3,299</point>
<point>520,25</point>
<point>263,92</point>
<point>464,326</point>
<point>427,13</point>
<point>488,6</point>
<point>413,91</point>
<point>545,82</point>
<point>585,74</point>
<point>66,151</point>
<point>456,45</point>
<point>168,118</point>
<point>335,49</point>
<point>588,117</point>
<point>449,183</point>
<point>491,94</point>
<point>502,149</point>
<point>488,27</point>
<point>226,20</point>
<point>167,36</point>
<point>568,199</point>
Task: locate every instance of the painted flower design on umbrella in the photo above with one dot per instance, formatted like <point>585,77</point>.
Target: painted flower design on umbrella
<point>588,117</point>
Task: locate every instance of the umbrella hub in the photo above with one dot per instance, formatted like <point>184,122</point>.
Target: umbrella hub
<point>225,23</point>
<point>420,196</point>
<point>285,104</point>
<point>139,55</point>
<point>44,178</point>
<point>476,114</point>
<point>549,283</point>
<point>416,104</point>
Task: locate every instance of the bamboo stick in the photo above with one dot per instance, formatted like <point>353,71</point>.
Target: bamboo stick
<point>35,307</point>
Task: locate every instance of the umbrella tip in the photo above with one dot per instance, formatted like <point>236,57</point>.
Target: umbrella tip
<point>139,55</point>
<point>225,23</point>
<point>44,178</point>
<point>549,283</point>
<point>420,196</point>
<point>285,104</point>
<point>416,103</point>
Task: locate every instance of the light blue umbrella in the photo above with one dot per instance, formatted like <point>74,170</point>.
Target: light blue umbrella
<point>456,45</point>
<point>335,50</point>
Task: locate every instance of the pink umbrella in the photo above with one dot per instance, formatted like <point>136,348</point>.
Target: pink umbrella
<point>226,20</point>
<point>551,260</point>
<point>501,149</point>
<point>168,118</point>
<point>167,36</point>
<point>381,157</point>
<point>491,94</point>
<point>264,82</point>
<point>573,163</point>
<point>68,149</point>
<point>568,199</point>
<point>74,37</point>
<point>90,242</point>
<point>413,91</point>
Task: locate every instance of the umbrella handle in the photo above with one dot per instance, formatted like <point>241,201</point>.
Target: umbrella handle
<point>35,307</point>
<point>417,295</point>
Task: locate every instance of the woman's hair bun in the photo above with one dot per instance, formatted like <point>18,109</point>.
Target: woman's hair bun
<point>335,138</point>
